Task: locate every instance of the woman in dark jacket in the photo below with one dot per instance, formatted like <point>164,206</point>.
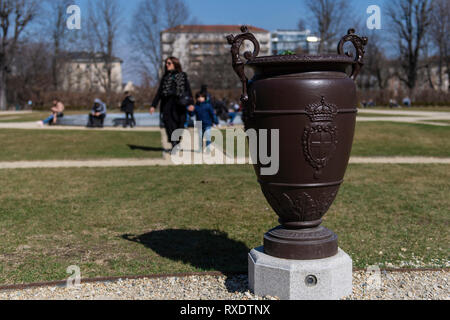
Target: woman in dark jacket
<point>128,108</point>
<point>175,96</point>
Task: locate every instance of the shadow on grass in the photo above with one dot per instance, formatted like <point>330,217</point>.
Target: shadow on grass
<point>134,147</point>
<point>208,250</point>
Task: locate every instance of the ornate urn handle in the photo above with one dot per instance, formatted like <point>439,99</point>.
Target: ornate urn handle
<point>359,43</point>
<point>238,65</point>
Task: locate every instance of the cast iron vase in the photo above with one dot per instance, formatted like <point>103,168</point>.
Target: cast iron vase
<point>312,101</point>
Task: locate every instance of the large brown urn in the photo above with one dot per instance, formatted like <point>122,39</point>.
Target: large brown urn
<point>312,101</point>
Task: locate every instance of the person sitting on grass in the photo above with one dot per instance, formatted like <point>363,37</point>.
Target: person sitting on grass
<point>97,115</point>
<point>204,112</point>
<point>57,112</point>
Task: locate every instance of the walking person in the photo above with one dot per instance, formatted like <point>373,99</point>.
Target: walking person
<point>175,95</point>
<point>57,112</point>
<point>204,89</point>
<point>220,106</point>
<point>204,113</point>
<point>128,107</point>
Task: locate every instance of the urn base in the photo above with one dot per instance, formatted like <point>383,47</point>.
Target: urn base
<point>300,244</point>
<point>323,279</point>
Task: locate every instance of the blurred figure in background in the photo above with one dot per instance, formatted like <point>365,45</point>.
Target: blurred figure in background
<point>204,90</point>
<point>220,107</point>
<point>128,107</point>
<point>57,112</point>
<point>232,112</point>
<point>204,113</point>
<point>393,103</point>
<point>97,115</point>
<point>407,102</point>
<point>175,95</point>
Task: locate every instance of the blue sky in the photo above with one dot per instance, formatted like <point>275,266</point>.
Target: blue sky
<point>267,14</point>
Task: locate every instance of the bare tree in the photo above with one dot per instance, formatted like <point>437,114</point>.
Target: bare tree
<point>377,65</point>
<point>410,21</point>
<point>214,71</point>
<point>427,62</point>
<point>152,17</point>
<point>327,21</point>
<point>57,33</point>
<point>301,25</point>
<point>32,76</point>
<point>440,31</point>
<point>15,16</point>
<point>103,29</point>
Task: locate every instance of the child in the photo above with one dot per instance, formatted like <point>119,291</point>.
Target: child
<point>204,112</point>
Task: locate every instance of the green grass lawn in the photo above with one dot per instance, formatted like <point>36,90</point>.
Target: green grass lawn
<point>22,117</point>
<point>401,139</point>
<point>374,139</point>
<point>371,139</point>
<point>19,144</point>
<point>134,221</point>
<point>34,116</point>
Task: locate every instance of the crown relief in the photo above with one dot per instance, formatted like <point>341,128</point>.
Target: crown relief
<point>321,112</point>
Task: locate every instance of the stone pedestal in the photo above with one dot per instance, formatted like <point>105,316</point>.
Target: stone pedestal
<point>322,279</point>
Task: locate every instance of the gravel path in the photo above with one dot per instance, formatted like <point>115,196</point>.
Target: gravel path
<point>399,160</point>
<point>167,162</point>
<point>33,126</point>
<point>403,112</point>
<point>84,163</point>
<point>415,285</point>
<point>8,113</point>
<point>420,117</point>
<point>427,121</point>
